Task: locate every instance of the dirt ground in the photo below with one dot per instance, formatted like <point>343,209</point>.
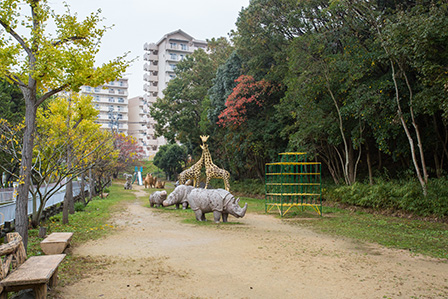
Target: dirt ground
<point>154,255</point>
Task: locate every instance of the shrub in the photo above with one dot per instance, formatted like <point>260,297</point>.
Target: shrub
<point>403,195</point>
<point>79,207</point>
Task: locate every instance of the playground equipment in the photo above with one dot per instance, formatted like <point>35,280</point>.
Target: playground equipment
<point>138,176</point>
<point>293,182</point>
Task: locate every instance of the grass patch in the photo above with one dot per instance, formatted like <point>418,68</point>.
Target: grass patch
<point>417,236</point>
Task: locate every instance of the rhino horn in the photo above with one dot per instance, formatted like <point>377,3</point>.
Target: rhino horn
<point>243,211</point>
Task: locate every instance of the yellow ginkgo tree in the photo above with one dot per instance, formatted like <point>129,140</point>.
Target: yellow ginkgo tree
<point>43,62</point>
<point>67,144</point>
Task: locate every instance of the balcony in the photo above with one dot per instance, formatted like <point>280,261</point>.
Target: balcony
<point>150,78</point>
<point>150,67</point>
<point>150,47</point>
<point>149,88</point>
<point>150,57</point>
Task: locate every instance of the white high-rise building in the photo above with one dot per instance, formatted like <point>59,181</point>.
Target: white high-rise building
<point>160,62</point>
<point>112,102</point>
<point>137,120</point>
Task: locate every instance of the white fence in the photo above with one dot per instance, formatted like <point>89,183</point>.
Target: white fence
<point>8,209</point>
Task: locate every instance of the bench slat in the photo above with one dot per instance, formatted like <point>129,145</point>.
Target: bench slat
<point>35,270</point>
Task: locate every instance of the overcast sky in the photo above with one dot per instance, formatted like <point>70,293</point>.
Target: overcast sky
<point>139,21</point>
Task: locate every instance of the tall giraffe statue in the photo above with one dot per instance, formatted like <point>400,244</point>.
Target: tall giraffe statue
<point>211,170</point>
<point>194,172</point>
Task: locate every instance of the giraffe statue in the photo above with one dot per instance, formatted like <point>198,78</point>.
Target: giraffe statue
<point>211,170</point>
<point>194,173</point>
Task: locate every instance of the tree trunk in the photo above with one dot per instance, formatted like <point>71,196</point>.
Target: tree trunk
<point>21,218</point>
<point>82,193</point>
<point>421,178</point>
<point>369,165</point>
<point>91,185</point>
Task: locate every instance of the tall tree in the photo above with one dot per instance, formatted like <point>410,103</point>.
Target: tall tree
<point>43,63</point>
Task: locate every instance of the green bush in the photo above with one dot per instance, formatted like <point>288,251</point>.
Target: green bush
<point>403,195</point>
<point>79,207</point>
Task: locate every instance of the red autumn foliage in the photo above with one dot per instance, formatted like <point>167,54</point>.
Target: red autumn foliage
<point>129,151</point>
<point>248,92</point>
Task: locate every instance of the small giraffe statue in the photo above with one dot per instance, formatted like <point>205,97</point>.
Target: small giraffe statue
<point>194,173</point>
<point>211,170</point>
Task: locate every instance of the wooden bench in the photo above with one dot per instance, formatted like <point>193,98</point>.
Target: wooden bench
<point>56,243</point>
<point>34,273</point>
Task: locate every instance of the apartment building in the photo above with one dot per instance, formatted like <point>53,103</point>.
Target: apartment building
<point>160,63</point>
<point>137,119</point>
<point>111,100</point>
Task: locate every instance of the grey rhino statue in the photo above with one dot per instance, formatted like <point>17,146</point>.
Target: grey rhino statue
<point>178,197</point>
<point>157,198</point>
<point>219,201</point>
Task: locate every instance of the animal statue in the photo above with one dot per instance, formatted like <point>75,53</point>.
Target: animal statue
<point>178,197</point>
<point>154,182</point>
<point>128,184</point>
<point>160,185</point>
<point>193,173</point>
<point>148,180</point>
<point>219,201</point>
<point>211,170</point>
<point>157,198</point>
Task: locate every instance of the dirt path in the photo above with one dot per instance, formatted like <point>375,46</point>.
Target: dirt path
<point>156,256</point>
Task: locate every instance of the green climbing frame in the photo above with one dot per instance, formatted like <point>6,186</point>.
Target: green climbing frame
<point>293,183</point>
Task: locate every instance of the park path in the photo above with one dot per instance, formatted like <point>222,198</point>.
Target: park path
<point>155,255</point>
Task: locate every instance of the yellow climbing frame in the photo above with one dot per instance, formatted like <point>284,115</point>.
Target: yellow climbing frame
<point>293,183</point>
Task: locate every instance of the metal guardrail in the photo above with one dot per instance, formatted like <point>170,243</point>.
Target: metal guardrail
<point>8,210</point>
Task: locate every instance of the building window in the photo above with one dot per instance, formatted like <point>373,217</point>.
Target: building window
<point>111,100</point>
<point>172,66</point>
<point>173,56</point>
<point>182,57</point>
<point>111,108</point>
<point>184,47</point>
<point>119,108</point>
<point>88,89</point>
<point>97,98</point>
<point>121,83</point>
<point>97,89</point>
<point>173,45</point>
<point>154,147</point>
<point>120,100</point>
<point>111,90</point>
<point>120,116</point>
<point>112,83</point>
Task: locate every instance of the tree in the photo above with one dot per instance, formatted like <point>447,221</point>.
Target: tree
<point>251,126</point>
<point>223,85</point>
<point>50,169</point>
<point>130,153</point>
<point>42,64</point>
<point>170,158</point>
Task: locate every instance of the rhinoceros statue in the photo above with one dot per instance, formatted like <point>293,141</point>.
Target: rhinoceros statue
<point>157,198</point>
<point>219,201</point>
<point>178,197</point>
